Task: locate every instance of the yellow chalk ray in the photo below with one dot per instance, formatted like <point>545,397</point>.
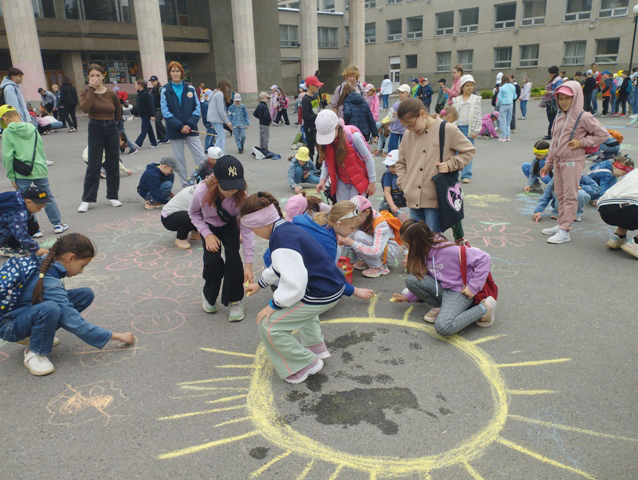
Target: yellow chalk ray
<point>473,473</point>
<point>230,422</point>
<point>407,313</point>
<point>533,363</point>
<point>228,399</point>
<point>541,458</point>
<point>235,366</point>
<point>571,429</point>
<point>204,446</point>
<point>261,470</point>
<point>306,470</point>
<point>218,389</point>
<point>531,392</point>
<point>226,352</point>
<point>487,339</point>
<point>213,380</point>
<point>203,412</point>
<point>373,304</point>
<point>335,474</point>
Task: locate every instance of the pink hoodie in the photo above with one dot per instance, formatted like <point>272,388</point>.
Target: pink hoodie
<point>590,132</point>
<point>373,102</point>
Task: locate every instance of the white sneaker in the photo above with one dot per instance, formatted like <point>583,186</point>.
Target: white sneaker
<point>49,163</point>
<point>113,202</point>
<point>551,231</point>
<point>236,313</point>
<point>561,237</point>
<point>84,207</point>
<point>37,364</point>
<point>208,308</point>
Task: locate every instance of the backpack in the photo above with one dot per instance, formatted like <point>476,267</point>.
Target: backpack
<point>588,150</point>
<point>14,274</point>
<point>489,288</point>
<point>392,221</point>
<point>2,101</point>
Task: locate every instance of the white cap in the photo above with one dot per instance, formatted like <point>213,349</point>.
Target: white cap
<point>404,88</point>
<point>392,158</point>
<point>274,87</point>
<point>326,123</point>
<point>466,78</point>
<point>237,97</point>
<point>589,72</point>
<point>215,152</point>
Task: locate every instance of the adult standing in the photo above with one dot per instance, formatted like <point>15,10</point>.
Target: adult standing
<point>181,110</point>
<point>457,73</point>
<point>385,90</point>
<point>145,110</point>
<point>549,102</point>
<point>351,76</point>
<point>13,95</point>
<point>160,130</point>
<point>217,112</point>
<point>68,103</point>
<point>103,107</point>
<point>505,101</point>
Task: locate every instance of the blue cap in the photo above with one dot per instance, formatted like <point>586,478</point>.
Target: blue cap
<point>606,72</point>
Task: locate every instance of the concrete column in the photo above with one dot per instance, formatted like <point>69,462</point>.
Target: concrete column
<point>151,39</point>
<point>72,65</point>
<point>357,36</point>
<point>245,58</point>
<point>24,46</point>
<point>308,37</point>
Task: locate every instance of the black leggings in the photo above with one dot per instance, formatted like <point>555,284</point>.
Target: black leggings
<point>69,111</point>
<point>231,271</point>
<point>178,222</point>
<point>622,216</point>
<point>281,113</point>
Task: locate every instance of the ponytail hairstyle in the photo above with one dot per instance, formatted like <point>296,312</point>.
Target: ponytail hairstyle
<point>258,201</point>
<point>366,226</point>
<point>336,213</point>
<point>74,243</point>
<point>313,203</point>
<point>540,145</point>
<point>342,148</point>
<point>420,240</point>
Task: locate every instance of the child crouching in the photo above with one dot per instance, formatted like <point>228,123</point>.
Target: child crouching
<point>532,169</point>
<point>156,183</point>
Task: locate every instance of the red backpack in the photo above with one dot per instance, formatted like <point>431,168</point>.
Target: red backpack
<point>489,289</point>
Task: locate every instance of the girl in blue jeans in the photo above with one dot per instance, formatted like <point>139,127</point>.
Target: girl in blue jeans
<point>45,305</point>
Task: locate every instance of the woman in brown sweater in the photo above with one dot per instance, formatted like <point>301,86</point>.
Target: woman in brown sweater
<point>105,112</point>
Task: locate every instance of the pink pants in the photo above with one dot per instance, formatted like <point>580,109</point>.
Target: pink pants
<point>566,181</point>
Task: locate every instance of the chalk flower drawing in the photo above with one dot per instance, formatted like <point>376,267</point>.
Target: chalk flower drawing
<point>78,405</point>
<point>482,235</point>
<point>107,356</point>
<point>181,271</point>
<point>147,258</point>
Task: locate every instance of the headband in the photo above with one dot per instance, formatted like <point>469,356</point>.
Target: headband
<point>624,168</point>
<point>544,151</point>
<point>352,214</point>
<point>261,218</point>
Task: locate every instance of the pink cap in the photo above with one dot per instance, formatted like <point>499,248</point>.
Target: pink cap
<point>565,90</point>
<point>296,205</point>
<point>362,202</point>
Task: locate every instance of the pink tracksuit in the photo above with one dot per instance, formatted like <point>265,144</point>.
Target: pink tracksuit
<point>568,163</point>
<point>487,125</point>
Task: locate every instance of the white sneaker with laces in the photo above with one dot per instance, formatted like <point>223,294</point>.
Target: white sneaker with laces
<point>113,202</point>
<point>84,207</point>
<point>236,313</point>
<point>60,227</point>
<point>551,231</point>
<point>561,237</point>
<point>37,364</point>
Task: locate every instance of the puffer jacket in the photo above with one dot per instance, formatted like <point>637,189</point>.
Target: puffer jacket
<point>356,111</point>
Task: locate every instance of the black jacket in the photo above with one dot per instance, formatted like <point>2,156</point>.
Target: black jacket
<point>145,104</point>
<point>155,91</point>
<point>262,113</point>
<point>356,111</point>
<point>68,96</point>
<point>309,108</point>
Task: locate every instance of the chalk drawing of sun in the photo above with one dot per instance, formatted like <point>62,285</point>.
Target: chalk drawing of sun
<point>252,395</point>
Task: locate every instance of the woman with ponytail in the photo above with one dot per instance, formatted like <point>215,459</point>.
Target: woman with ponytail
<point>309,284</point>
<point>45,305</point>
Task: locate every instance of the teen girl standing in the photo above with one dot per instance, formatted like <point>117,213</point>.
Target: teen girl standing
<point>468,107</point>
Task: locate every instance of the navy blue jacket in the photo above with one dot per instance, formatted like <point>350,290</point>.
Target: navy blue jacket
<point>176,113</point>
<point>150,182</point>
<point>424,93</point>
<point>325,235</point>
<point>262,113</point>
<point>13,221</point>
<point>356,111</point>
<point>145,104</point>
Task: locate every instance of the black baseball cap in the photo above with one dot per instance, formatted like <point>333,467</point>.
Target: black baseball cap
<point>37,195</point>
<point>229,173</point>
<point>153,78</point>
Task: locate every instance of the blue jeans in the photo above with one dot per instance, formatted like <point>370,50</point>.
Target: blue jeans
<point>382,143</point>
<point>220,140</point>
<point>120,128</point>
<point>240,137</point>
<point>583,199</point>
<point>311,178</point>
<point>209,140</point>
<point>594,102</point>
<point>427,215</point>
<point>527,167</point>
<point>467,170</point>
<point>42,320</point>
<point>524,108</point>
<point>52,210</point>
<point>505,119</point>
<point>384,100</point>
<point>165,187</point>
<point>394,141</point>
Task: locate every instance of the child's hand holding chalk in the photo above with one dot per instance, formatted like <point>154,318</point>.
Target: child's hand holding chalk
<point>398,298</point>
<point>537,216</point>
<point>251,288</point>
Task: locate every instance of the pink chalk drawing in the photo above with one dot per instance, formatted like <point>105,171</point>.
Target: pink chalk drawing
<point>79,405</point>
<point>149,257</point>
<point>3,356</point>
<point>496,235</point>
<point>182,272</point>
<point>143,220</point>
<point>108,355</point>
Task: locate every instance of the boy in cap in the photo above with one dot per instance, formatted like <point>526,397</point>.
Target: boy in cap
<point>263,114</point>
<point>424,93</point>
<point>239,120</point>
<point>310,106</point>
<point>156,183</point>
<point>302,170</point>
<point>393,197</point>
<point>205,168</point>
<point>18,223</point>
<point>22,143</point>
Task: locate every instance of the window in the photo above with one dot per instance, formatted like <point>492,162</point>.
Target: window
<point>529,56</point>
<point>72,9</point>
<point>445,23</point>
<point>411,61</point>
<point>294,5</point>
<point>533,12</point>
<point>443,61</point>
<point>43,8</point>
<point>503,57</point>
<point>577,10</point>
<point>101,10</point>
<point>174,12</point>
<point>414,27</point>
<point>607,50</point>
<point>328,6</point>
<point>327,37</point>
<point>574,53</point>
<point>394,30</point>
<point>288,36</point>
<point>184,60</point>
<point>469,20</point>
<point>613,8</point>
<point>394,2</point>
<point>370,3</point>
<point>346,33</point>
<point>120,68</point>
<point>465,58</point>
<point>371,33</point>
<point>347,6</point>
<point>504,16</point>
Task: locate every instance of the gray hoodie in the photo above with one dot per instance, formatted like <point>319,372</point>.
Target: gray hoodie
<point>13,96</point>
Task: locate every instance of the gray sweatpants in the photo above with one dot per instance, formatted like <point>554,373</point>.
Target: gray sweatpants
<point>456,309</point>
<point>197,151</point>
<point>264,136</point>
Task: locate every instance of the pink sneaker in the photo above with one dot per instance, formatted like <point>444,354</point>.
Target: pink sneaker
<point>320,350</point>
<point>304,373</point>
<point>430,317</point>
<point>376,272</point>
<point>360,265</point>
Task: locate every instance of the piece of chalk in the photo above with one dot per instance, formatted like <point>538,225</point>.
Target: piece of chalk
<point>393,300</point>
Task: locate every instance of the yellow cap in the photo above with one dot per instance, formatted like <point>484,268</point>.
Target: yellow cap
<point>4,109</point>
<point>303,154</point>
<point>386,120</point>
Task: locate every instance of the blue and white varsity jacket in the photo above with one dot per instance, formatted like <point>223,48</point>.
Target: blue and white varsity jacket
<point>305,271</point>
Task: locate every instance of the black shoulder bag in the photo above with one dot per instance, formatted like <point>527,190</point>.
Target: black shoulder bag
<point>23,168</point>
<point>223,214</point>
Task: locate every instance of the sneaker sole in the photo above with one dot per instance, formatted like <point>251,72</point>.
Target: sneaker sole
<point>490,322</point>
<point>558,243</point>
<point>545,232</point>
<point>614,246</point>
<point>38,374</point>
<point>633,253</point>
<point>236,319</point>
<point>208,311</point>
<point>323,355</point>
<point>312,371</point>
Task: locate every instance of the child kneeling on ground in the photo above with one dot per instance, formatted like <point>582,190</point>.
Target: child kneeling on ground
<point>156,183</point>
<point>619,207</point>
<point>302,170</point>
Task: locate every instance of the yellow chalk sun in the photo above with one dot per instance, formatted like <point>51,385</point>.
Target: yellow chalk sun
<point>257,399</point>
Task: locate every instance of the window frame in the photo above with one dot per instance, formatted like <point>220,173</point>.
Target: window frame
<point>417,34</point>
<point>612,10</point>
<point>469,28</point>
<point>370,39</point>
<point>369,4</point>
<point>505,23</point>
<point>582,62</point>
<point>442,67</point>
<point>534,20</point>
<point>290,43</point>
<point>329,44</point>
<point>346,35</point>
<point>531,62</point>
<point>467,67</point>
<point>443,31</point>
<point>396,37</point>
<point>498,67</point>
<point>578,16</point>
<point>416,61</point>
<point>597,55</point>
<point>395,2</point>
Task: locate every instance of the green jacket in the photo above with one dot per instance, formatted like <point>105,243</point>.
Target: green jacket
<point>18,140</point>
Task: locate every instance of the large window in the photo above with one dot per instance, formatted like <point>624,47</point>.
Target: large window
<point>371,33</point>
<point>503,57</point>
<point>504,16</point>
<point>174,12</point>
<point>120,68</point>
<point>43,8</point>
<point>613,8</point>
<point>326,5</point>
<point>469,20</point>
<point>394,2</point>
<point>529,56</point>
<point>101,10</point>
<point>574,53</point>
<point>445,23</point>
<point>327,37</point>
<point>577,10</point>
<point>411,61</point>
<point>533,12</point>
<point>443,61</point>
<point>465,58</point>
<point>370,3</point>
<point>394,30</point>
<point>414,27</point>
<point>607,50</point>
<point>288,36</point>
